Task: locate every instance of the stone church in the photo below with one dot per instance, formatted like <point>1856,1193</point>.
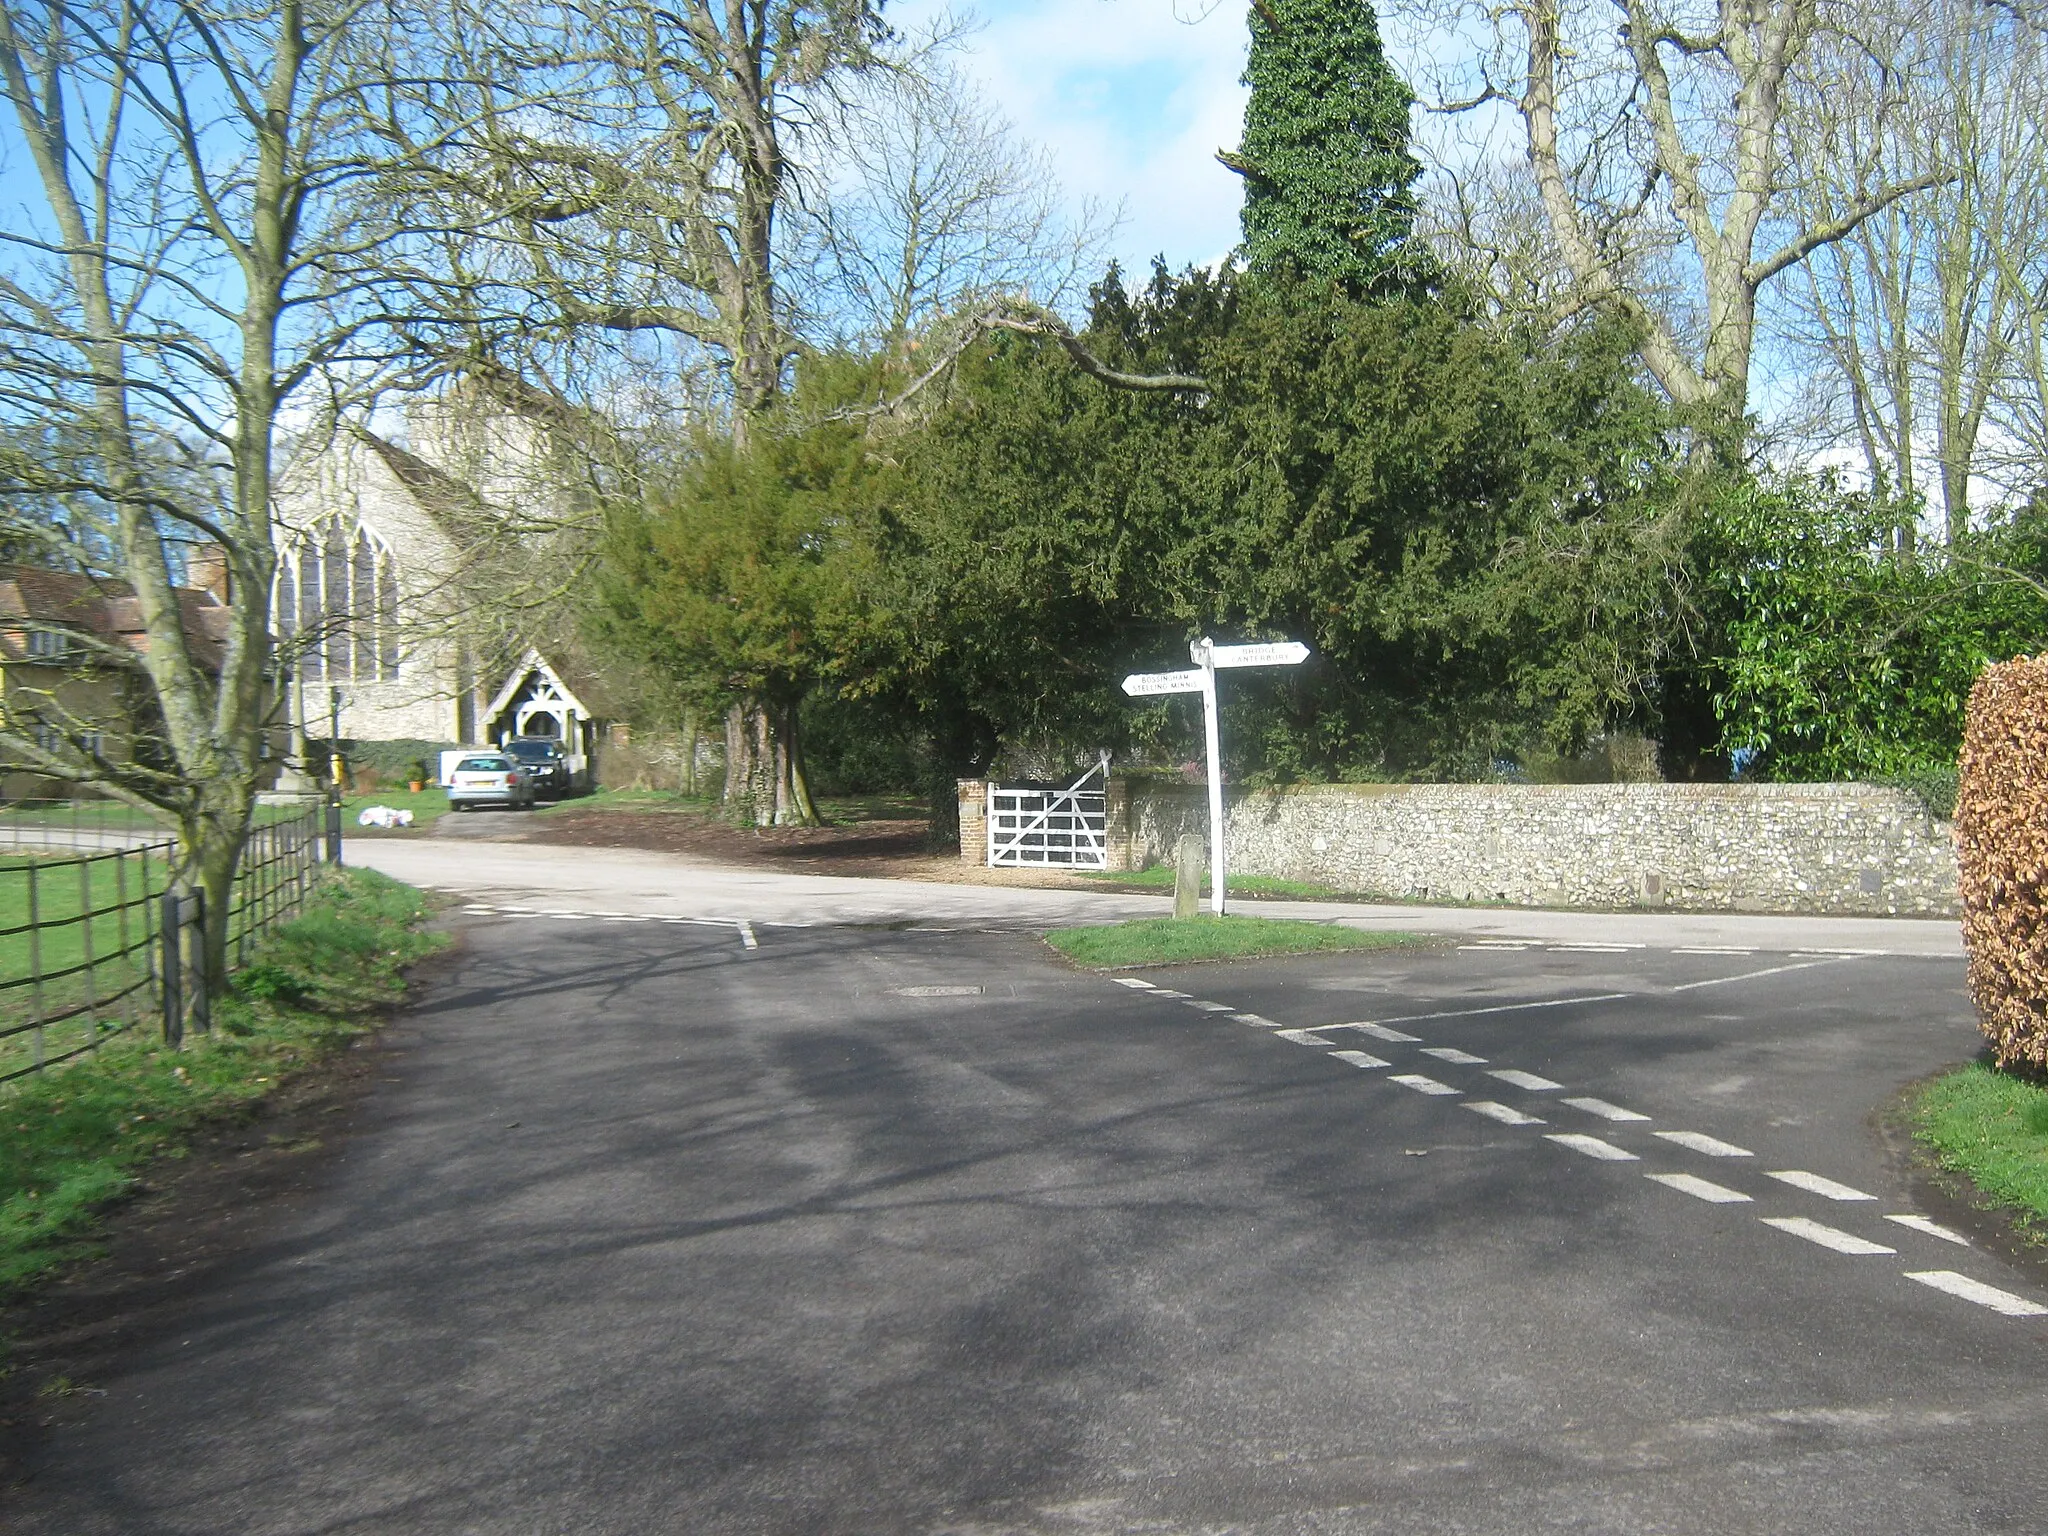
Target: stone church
<point>385,540</point>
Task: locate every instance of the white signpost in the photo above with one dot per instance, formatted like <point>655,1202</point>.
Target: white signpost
<point>1208,656</point>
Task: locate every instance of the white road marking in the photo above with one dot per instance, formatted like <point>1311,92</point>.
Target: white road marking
<point>1592,1146</point>
<point>1976,1290</point>
<point>1604,1110</point>
<point>1694,1141</point>
<point>1471,1013</point>
<point>1826,1236</point>
<point>1209,1007</point>
<point>1300,1037</point>
<point>1774,970</point>
<point>748,941</point>
<point>1501,1112</point>
<point>937,991</point>
<point>1591,949</point>
<point>1132,981</point>
<point>1814,1184</point>
<point>628,917</point>
<point>1932,1229</point>
<point>1169,992</point>
<point>574,917</point>
<point>485,910</point>
<point>1699,1189</point>
<point>1422,1084</point>
<point>1260,1020</point>
<point>1453,1055</point>
<point>1510,946</point>
<point>1360,1059</point>
<point>1710,949</point>
<point>1528,1080</point>
<point>1379,1032</point>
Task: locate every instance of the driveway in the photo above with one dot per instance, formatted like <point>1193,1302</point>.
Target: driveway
<point>684,1226</point>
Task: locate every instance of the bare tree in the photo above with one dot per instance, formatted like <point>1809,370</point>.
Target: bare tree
<point>925,204</point>
<point>1921,313</point>
<point>206,256</point>
<point>1658,140</point>
<point>652,209</point>
<point>651,205</point>
<point>1486,226</point>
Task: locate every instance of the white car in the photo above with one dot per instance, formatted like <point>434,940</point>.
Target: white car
<point>489,778</point>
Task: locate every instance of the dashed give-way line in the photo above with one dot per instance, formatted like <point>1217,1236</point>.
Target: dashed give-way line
<point>738,925</point>
<point>1601,1149</point>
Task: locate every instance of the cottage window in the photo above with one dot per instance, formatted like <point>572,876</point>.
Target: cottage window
<point>48,644</point>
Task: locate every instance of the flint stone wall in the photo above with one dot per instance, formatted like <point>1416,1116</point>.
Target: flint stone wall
<point>1818,848</point>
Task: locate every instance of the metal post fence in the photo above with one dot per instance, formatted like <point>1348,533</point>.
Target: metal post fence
<point>35,960</point>
<point>171,927</point>
<point>77,970</point>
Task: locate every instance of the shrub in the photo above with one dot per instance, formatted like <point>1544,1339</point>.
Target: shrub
<point>1934,788</point>
<point>270,983</point>
<point>2001,829</point>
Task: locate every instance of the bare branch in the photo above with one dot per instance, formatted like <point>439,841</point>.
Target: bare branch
<point>1025,319</point>
<point>1810,240</point>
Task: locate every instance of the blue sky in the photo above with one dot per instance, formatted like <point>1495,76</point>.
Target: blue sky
<point>1132,98</point>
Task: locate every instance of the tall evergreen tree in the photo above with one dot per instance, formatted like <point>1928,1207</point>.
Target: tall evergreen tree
<point>1328,174</point>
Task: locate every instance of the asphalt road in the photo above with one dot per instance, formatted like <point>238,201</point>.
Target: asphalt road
<point>876,1231</point>
<point>639,881</point>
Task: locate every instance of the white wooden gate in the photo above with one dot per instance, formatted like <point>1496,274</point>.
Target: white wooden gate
<point>1045,827</point>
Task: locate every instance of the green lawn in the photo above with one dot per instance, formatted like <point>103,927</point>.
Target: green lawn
<point>1992,1128</point>
<point>427,807</point>
<point>108,815</point>
<point>1168,941</point>
<point>1160,878</point>
<point>113,816</point>
<point>76,1137</point>
<point>65,889</point>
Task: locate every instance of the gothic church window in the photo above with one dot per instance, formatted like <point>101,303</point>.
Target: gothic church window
<point>337,598</point>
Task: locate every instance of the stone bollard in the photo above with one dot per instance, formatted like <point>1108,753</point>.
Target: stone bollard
<point>1187,876</point>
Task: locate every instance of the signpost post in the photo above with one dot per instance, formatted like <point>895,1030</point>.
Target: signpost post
<point>1201,678</point>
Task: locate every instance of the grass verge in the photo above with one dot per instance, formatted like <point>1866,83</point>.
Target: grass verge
<point>1992,1128</point>
<point>1160,878</point>
<point>75,1138</point>
<point>1168,941</point>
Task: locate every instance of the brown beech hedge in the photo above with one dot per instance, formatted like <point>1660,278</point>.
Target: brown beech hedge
<point>2001,831</point>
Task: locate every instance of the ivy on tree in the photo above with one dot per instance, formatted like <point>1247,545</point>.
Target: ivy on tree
<point>1328,175</point>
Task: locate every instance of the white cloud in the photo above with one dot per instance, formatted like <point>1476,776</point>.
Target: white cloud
<point>1132,98</point>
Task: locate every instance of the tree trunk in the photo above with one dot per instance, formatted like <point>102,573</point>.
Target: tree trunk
<point>765,783</point>
<point>793,806</point>
<point>742,795</point>
<point>962,747</point>
<point>213,840</point>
